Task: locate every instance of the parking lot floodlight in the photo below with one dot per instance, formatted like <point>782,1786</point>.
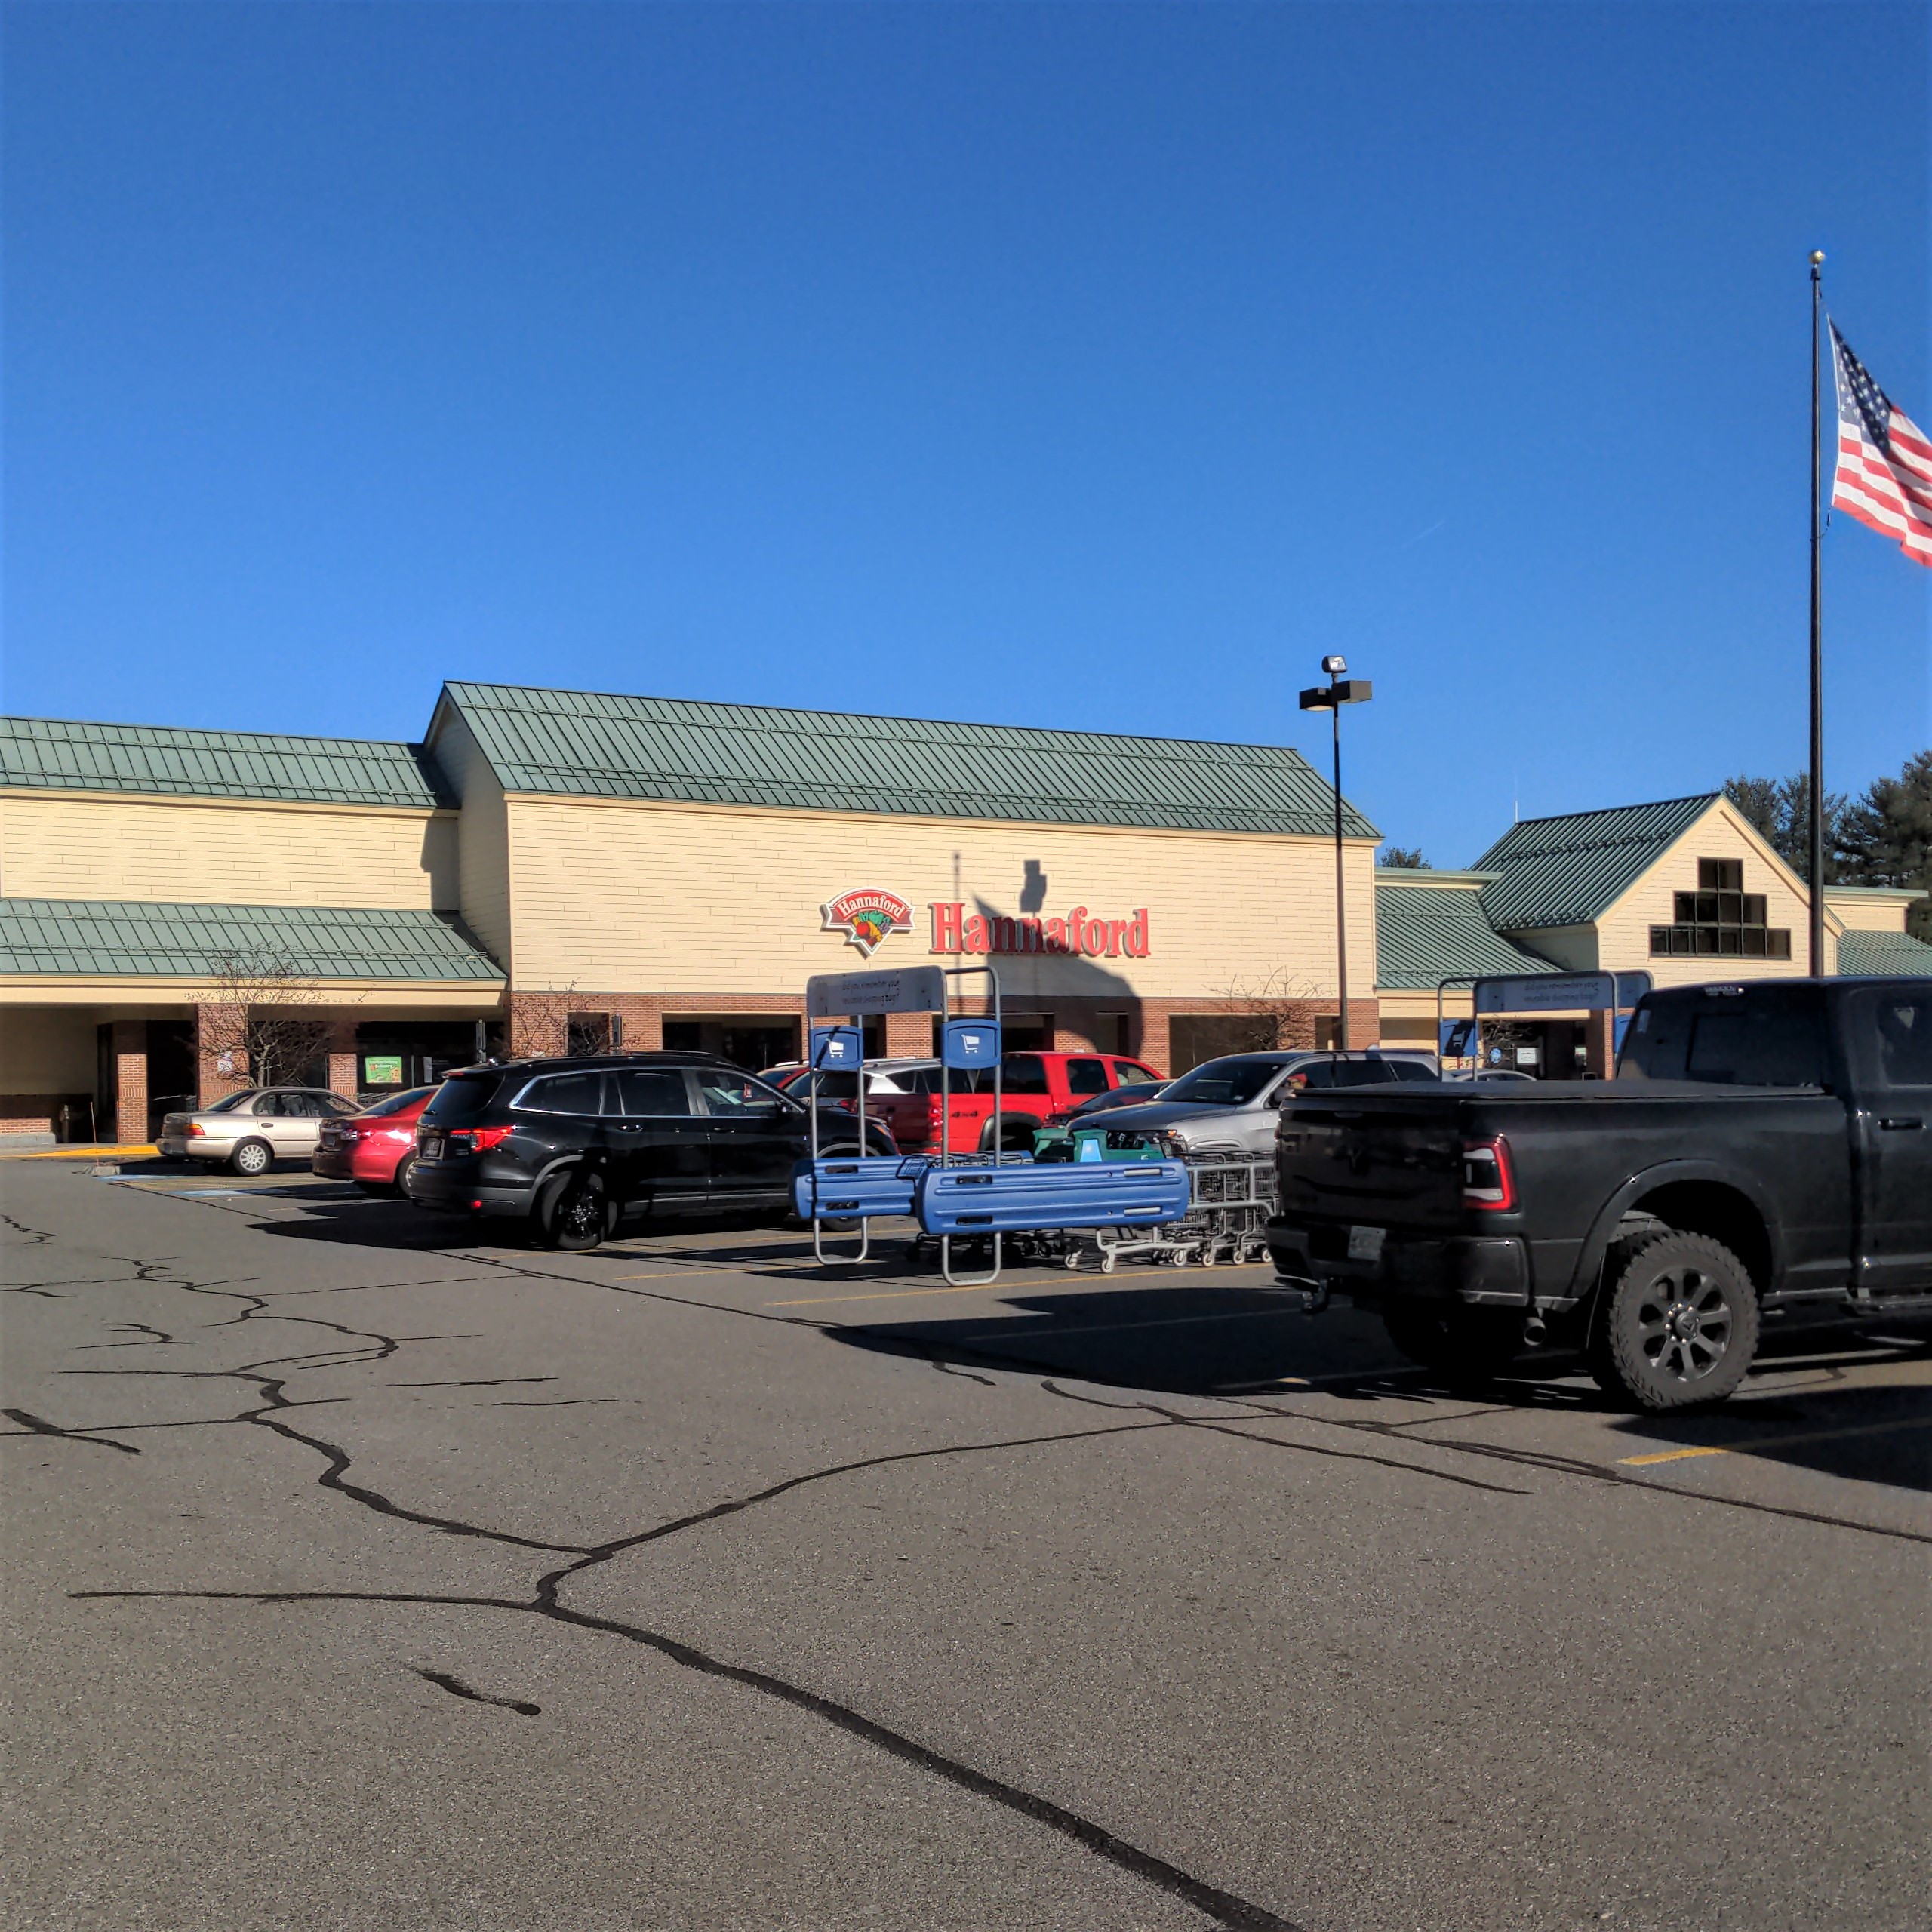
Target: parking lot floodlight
<point>1330,697</point>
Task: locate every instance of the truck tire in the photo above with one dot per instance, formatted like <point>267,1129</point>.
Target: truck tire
<point>1470,1344</point>
<point>1677,1322</point>
<point>1011,1134</point>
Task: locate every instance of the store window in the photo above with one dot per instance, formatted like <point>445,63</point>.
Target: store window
<point>1720,919</point>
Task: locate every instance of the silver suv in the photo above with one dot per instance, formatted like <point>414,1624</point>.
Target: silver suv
<point>249,1130</point>
<point>1231,1106</point>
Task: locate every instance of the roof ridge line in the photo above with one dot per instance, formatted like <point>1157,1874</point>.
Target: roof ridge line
<point>889,717</point>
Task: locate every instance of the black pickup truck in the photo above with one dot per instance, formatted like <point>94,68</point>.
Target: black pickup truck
<point>1765,1154</point>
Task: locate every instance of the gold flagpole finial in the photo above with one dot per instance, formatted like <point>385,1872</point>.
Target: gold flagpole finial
<point>1817,256</point>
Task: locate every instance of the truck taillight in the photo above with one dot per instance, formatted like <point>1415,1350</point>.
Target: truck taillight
<point>1489,1183</point>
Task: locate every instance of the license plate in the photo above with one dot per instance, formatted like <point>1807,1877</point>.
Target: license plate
<point>433,1147</point>
<point>1365,1244</point>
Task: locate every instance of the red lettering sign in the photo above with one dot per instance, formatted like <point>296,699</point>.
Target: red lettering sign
<point>956,930</point>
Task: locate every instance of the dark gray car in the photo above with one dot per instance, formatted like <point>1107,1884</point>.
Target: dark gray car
<point>1231,1106</point>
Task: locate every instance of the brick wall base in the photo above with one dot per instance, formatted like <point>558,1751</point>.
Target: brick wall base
<point>1143,1029</point>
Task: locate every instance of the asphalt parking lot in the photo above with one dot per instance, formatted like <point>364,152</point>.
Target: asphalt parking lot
<point>364,1574</point>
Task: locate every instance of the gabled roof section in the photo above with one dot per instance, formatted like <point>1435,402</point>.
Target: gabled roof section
<point>593,744</point>
<point>1883,954</point>
<point>95,938</point>
<point>1568,871</point>
<point>1426,934</point>
<point>61,754</point>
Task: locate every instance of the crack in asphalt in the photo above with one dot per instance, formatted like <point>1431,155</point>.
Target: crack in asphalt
<point>1226,1908</point>
<point>456,1688</point>
<point>34,1425</point>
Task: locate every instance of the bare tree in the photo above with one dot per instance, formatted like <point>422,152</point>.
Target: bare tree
<point>1270,1013</point>
<point>540,1022</point>
<point>265,1022</point>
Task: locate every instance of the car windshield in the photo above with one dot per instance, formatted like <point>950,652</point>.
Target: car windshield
<point>228,1105</point>
<point>396,1102</point>
<point>1226,1083</point>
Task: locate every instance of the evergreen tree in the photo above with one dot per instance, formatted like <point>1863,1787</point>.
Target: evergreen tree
<point>1781,808</point>
<point>1886,838</point>
<point>1405,858</point>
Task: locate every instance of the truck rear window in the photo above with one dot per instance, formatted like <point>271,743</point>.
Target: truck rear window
<point>1729,1036</point>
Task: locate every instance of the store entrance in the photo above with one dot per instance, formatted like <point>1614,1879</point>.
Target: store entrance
<point>750,1040</point>
<point>392,1054</point>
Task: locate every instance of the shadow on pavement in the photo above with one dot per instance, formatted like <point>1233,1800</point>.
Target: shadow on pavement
<point>1872,1433</point>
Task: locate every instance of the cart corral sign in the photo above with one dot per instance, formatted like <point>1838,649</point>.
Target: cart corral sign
<point>867,918</point>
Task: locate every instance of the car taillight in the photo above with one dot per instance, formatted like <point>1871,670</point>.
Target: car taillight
<point>477,1140</point>
<point>1489,1183</point>
<point>196,1131</point>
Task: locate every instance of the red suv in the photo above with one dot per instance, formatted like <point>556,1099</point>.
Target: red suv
<point>1032,1087</point>
<point>376,1148</point>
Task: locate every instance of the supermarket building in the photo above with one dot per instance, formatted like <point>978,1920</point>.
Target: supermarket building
<point>569,870</point>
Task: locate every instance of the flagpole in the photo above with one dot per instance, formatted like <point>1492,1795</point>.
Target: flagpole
<point>1817,788</point>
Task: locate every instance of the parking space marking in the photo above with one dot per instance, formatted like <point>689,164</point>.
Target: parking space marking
<point>1770,1442</point>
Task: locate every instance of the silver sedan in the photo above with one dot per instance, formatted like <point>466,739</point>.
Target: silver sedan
<point>1232,1106</point>
<point>249,1130</point>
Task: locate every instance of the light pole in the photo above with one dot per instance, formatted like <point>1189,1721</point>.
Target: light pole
<point>1340,690</point>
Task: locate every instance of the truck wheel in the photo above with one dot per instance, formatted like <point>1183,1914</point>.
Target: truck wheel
<point>1468,1344</point>
<point>1678,1323</point>
<point>573,1214</point>
<point>1011,1134</point>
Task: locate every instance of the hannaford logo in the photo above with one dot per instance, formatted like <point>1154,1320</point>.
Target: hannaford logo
<point>867,918</point>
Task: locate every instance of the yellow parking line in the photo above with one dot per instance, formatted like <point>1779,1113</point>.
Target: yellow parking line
<point>1771,1442</point>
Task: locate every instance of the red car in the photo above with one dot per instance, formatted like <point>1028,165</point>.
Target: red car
<point>1034,1087</point>
<point>376,1148</point>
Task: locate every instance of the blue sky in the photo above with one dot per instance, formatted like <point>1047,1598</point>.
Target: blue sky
<point>1098,366</point>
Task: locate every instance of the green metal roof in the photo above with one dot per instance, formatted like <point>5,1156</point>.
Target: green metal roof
<point>1426,934</point>
<point>1885,954</point>
<point>1570,870</point>
<point>128,938</point>
<point>61,754</point>
<point>590,743</point>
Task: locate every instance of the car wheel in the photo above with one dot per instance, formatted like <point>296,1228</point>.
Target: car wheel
<point>252,1157</point>
<point>1470,1344</point>
<point>405,1168</point>
<point>1678,1322</point>
<point>574,1213</point>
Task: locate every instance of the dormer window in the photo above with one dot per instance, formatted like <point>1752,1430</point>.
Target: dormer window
<point>1720,919</point>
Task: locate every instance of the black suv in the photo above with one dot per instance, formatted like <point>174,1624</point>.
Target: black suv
<point>578,1146</point>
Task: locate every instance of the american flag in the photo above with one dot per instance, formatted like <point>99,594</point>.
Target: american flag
<point>1884,470</point>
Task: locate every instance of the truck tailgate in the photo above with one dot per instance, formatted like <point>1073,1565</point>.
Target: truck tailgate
<point>1396,1162</point>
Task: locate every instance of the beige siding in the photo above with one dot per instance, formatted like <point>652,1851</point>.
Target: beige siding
<point>1624,931</point>
<point>639,896</point>
<point>482,836</point>
<point>213,852</point>
<point>1868,912</point>
<point>46,1052</point>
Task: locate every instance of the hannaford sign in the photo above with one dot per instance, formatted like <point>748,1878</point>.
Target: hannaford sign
<point>955,930</point>
<point>867,918</point>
